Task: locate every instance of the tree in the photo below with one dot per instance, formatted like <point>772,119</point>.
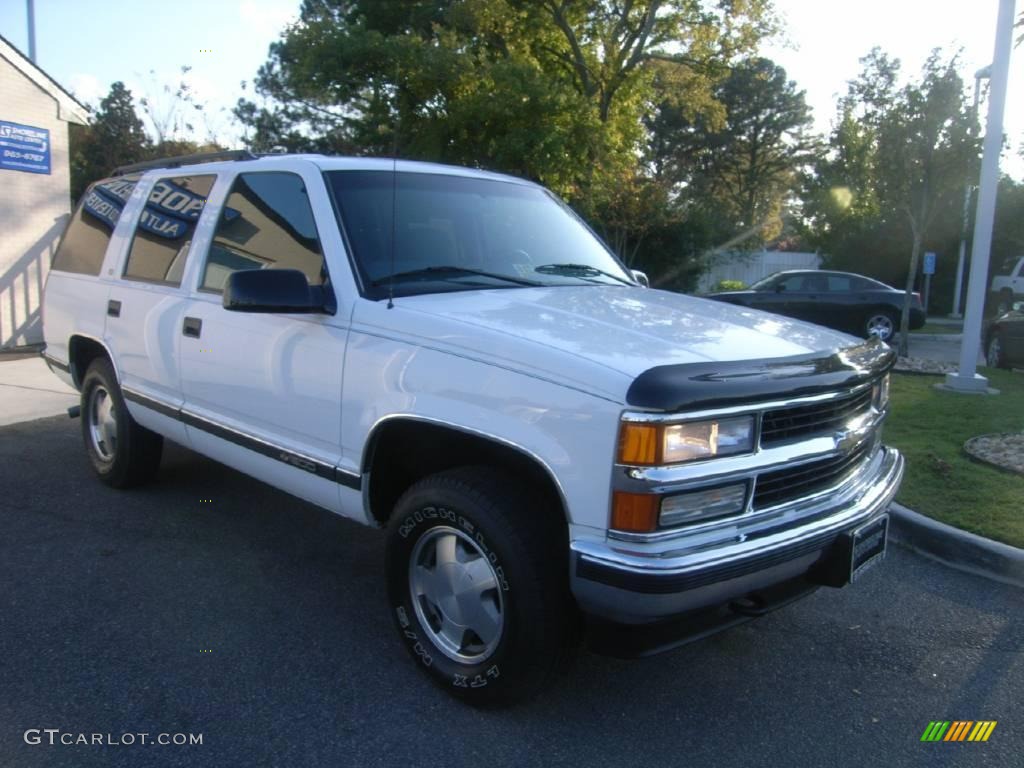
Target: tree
<point>1008,229</point>
<point>174,112</point>
<point>924,146</point>
<point>115,137</point>
<point>741,161</point>
<point>552,90</point>
<point>894,175</point>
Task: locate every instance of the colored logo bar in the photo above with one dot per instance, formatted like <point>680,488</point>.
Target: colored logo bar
<point>959,730</point>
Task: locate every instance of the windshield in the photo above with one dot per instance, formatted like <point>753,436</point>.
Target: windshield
<point>765,283</point>
<point>459,233</point>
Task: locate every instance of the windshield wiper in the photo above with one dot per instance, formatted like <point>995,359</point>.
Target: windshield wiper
<point>452,271</point>
<point>578,270</point>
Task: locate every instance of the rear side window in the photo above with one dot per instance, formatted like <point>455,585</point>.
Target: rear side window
<point>267,223</point>
<point>839,284</point>
<point>164,231</point>
<point>85,240</point>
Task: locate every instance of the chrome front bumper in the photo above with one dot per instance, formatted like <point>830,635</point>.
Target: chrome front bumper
<point>635,583</point>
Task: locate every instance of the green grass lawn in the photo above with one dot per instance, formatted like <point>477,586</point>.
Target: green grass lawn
<point>939,328</point>
<point>930,428</point>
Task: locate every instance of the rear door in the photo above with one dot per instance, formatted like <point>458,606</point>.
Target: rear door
<point>147,301</point>
<point>1014,336</point>
<point>263,391</point>
<point>839,305</point>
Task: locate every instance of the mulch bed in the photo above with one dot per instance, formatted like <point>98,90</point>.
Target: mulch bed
<point>1005,451</point>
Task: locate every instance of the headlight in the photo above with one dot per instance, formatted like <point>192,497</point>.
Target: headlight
<point>653,444</point>
<point>880,393</point>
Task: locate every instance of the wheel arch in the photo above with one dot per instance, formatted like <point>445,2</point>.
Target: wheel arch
<point>82,350</point>
<point>396,456</point>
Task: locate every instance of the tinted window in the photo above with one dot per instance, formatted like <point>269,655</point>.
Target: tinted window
<point>462,223</point>
<point>839,284</point>
<point>85,240</point>
<point>164,231</point>
<point>793,283</point>
<point>267,223</point>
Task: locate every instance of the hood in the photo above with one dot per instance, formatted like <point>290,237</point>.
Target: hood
<point>623,330</point>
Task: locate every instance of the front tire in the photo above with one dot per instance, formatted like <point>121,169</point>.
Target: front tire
<point>478,587</point>
<point>122,453</point>
<point>995,355</point>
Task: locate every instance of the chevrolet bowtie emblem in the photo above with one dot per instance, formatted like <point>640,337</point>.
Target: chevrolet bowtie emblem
<point>848,439</point>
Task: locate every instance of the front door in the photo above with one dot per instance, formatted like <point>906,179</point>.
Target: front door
<point>263,391</point>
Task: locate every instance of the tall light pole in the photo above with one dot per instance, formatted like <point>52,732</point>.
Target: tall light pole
<point>31,10</point>
<point>967,379</point>
<point>982,74</point>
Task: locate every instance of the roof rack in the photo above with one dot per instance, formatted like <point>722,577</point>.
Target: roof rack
<point>180,160</point>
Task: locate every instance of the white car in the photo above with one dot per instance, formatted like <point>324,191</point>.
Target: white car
<point>453,356</point>
<point>1009,287</point>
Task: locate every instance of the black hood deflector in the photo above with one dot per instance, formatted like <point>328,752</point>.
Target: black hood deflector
<point>714,385</point>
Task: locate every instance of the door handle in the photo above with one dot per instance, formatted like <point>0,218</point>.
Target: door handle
<point>114,308</point>
<point>192,327</point>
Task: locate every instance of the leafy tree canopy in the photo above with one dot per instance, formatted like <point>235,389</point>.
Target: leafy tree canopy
<point>549,89</point>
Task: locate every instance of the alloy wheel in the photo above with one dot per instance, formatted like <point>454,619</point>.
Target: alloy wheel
<point>102,423</point>
<point>456,595</point>
<point>881,326</point>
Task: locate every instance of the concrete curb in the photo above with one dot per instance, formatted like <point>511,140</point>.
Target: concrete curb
<point>958,549</point>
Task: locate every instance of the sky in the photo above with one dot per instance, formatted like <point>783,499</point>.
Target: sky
<point>87,44</point>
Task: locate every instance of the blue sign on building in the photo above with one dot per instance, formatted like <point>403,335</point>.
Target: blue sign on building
<point>24,148</point>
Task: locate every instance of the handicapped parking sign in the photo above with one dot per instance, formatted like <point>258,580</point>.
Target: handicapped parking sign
<point>929,263</point>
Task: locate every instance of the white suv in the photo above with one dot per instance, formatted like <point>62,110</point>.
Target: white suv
<point>452,355</point>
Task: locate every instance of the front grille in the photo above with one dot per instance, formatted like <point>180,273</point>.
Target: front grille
<point>786,424</point>
<point>783,485</point>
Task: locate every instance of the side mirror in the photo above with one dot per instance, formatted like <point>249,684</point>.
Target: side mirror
<point>779,288</point>
<point>641,277</point>
<point>275,290</point>
<point>1018,306</point>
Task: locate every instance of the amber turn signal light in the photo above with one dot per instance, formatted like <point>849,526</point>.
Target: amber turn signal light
<point>639,444</point>
<point>635,512</point>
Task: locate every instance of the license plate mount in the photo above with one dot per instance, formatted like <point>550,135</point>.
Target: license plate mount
<point>868,546</point>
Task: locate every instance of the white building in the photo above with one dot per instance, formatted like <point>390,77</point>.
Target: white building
<point>751,267</point>
<point>35,188</point>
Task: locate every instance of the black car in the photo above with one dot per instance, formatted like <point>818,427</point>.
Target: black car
<point>840,300</point>
<point>1004,339</point>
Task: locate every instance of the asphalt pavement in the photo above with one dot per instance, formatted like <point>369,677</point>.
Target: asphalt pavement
<point>211,604</point>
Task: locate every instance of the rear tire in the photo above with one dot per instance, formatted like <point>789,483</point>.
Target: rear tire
<point>880,324</point>
<point>478,585</point>
<point>1005,303</point>
<point>122,453</point>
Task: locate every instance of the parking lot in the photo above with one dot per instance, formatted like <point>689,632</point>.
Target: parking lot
<point>210,603</point>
